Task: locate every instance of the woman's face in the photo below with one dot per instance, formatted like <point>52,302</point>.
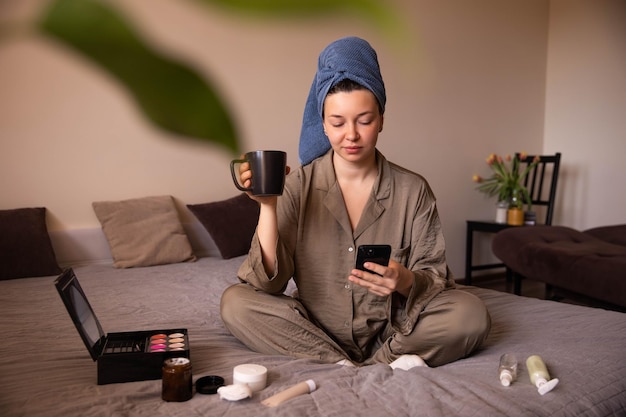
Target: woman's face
<point>352,122</point>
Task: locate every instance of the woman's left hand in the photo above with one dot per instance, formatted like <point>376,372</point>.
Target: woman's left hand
<point>384,280</point>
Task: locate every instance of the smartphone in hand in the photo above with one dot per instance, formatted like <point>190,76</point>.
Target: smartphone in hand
<point>378,254</point>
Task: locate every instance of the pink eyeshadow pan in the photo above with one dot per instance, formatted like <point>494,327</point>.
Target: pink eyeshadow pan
<point>158,346</point>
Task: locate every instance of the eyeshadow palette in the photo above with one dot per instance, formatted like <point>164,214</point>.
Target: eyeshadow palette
<point>120,356</point>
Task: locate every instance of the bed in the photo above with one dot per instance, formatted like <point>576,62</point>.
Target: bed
<point>153,277</point>
<point>47,371</point>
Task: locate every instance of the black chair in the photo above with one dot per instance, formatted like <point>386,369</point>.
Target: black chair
<point>541,184</point>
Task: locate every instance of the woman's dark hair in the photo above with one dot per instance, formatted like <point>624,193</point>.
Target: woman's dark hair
<point>346,86</point>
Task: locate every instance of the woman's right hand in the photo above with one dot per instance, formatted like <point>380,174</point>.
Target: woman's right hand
<point>245,176</point>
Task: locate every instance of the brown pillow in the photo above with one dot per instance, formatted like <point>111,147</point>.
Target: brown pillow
<point>144,231</point>
<point>231,223</point>
<point>25,248</point>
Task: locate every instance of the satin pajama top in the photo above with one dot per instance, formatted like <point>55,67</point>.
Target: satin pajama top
<point>317,248</point>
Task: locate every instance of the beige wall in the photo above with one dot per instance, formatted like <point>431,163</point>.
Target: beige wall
<point>586,109</point>
<point>469,79</point>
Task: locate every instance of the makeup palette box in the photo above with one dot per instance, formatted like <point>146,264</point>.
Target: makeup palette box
<point>121,356</point>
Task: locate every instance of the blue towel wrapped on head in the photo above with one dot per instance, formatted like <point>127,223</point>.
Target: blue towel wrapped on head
<point>346,58</point>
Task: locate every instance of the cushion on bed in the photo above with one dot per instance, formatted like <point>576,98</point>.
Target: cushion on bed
<point>144,231</point>
<point>231,223</point>
<point>25,248</point>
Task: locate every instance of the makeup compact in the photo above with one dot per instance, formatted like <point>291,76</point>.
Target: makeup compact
<point>121,356</point>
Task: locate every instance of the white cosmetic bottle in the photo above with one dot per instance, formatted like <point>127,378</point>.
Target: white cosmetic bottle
<point>507,370</point>
<point>539,375</point>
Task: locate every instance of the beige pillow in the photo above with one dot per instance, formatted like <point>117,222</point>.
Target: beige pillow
<point>144,231</point>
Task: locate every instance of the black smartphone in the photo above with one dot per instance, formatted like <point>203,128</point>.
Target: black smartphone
<point>378,254</point>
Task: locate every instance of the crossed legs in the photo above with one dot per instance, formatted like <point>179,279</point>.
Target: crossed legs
<point>451,326</point>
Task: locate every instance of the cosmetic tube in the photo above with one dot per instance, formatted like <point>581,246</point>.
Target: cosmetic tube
<point>539,375</point>
<point>291,392</point>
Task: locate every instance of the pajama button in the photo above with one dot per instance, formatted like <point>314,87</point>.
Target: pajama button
<point>346,324</point>
<point>347,286</point>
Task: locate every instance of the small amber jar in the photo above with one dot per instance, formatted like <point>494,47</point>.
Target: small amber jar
<point>515,216</point>
<point>177,384</point>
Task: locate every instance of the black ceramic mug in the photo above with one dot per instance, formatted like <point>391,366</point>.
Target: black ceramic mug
<point>268,172</point>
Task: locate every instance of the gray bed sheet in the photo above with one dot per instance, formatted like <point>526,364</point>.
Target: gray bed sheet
<point>45,369</point>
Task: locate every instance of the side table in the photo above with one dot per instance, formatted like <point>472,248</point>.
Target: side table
<point>480,226</point>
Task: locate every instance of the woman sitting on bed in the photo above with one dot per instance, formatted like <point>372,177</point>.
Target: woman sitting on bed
<point>344,195</point>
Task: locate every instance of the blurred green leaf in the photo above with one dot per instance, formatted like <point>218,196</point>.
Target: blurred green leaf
<point>377,12</point>
<point>171,94</point>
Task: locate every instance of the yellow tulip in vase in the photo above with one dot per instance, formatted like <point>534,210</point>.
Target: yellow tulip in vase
<point>506,183</point>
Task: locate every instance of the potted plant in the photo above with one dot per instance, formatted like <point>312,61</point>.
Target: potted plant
<point>507,184</point>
